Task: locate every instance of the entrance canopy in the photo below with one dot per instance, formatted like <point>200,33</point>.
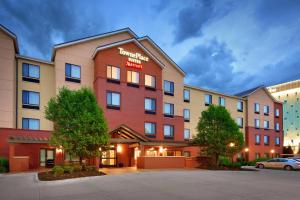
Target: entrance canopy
<point>28,139</point>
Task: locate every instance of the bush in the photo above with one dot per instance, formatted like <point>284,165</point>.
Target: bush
<point>91,168</point>
<point>68,169</point>
<point>58,170</point>
<point>3,165</point>
<point>253,162</point>
<point>225,162</point>
<point>77,168</point>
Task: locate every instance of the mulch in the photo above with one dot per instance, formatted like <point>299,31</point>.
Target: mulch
<point>49,176</point>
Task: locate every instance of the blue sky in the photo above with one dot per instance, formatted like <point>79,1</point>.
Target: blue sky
<point>222,45</point>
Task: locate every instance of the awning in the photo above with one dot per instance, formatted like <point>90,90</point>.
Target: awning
<point>28,140</point>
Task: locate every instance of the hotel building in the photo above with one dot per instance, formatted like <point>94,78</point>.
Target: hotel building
<point>289,93</point>
<point>151,113</point>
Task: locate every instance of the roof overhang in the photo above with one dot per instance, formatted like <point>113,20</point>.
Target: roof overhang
<point>126,42</point>
<point>127,135</point>
<point>28,140</point>
<point>73,42</point>
<point>11,35</point>
<point>34,59</point>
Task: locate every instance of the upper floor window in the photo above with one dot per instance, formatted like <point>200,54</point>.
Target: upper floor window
<point>168,131</point>
<point>277,112</point>
<point>73,73</point>
<point>277,127</point>
<point>169,109</point>
<point>113,74</point>
<point>277,141</point>
<point>257,139</point>
<point>169,88</point>
<point>30,73</point>
<point>113,100</point>
<point>187,134</point>
<point>150,105</point>
<point>266,110</point>
<point>266,124</point>
<point>150,82</point>
<point>222,101</point>
<point>186,95</point>
<point>31,124</point>
<point>150,128</point>
<point>133,78</point>
<point>208,99</point>
<point>266,139</point>
<point>30,99</point>
<point>256,123</point>
<point>239,122</point>
<point>256,108</point>
<point>186,115</point>
<point>240,106</point>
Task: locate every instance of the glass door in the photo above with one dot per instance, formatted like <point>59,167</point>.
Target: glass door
<point>46,155</point>
<point>109,158</point>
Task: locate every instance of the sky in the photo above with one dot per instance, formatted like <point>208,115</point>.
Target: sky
<point>222,45</point>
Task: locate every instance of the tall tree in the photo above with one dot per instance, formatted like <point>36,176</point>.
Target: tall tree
<point>79,124</point>
<point>218,134</point>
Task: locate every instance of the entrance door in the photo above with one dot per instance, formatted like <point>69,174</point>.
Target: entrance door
<point>109,158</point>
<point>46,154</point>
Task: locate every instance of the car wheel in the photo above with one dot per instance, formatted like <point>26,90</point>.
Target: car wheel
<point>261,166</point>
<point>288,168</point>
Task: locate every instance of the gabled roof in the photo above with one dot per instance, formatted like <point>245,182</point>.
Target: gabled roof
<point>134,40</point>
<point>94,37</point>
<point>128,133</point>
<point>162,52</point>
<point>249,92</point>
<point>12,35</point>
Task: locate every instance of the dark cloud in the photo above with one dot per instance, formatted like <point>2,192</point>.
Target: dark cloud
<point>40,23</point>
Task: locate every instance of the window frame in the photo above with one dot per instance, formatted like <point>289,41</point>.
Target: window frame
<point>277,138</point>
<point>184,134</point>
<point>277,129</point>
<point>28,121</point>
<point>171,109</point>
<point>29,105</point>
<point>255,139</point>
<point>210,99</point>
<point>242,122</point>
<point>266,110</point>
<point>71,78</point>
<point>189,95</point>
<point>28,77</point>
<point>111,106</point>
<point>255,120</point>
<point>277,114</point>
<point>189,115</point>
<point>172,88</point>
<point>258,106</point>
<point>148,87</point>
<point>150,111</point>
<point>152,135</point>
<point>171,129</point>
<point>268,124</point>
<point>110,79</point>
<point>220,100</point>
<point>242,106</point>
<point>266,144</point>
<point>130,83</point>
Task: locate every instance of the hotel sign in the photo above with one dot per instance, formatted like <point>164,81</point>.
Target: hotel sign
<point>134,59</point>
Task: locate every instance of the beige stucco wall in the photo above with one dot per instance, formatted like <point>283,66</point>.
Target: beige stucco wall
<point>197,105</point>
<point>170,73</point>
<point>7,81</point>
<point>81,54</point>
<point>261,97</point>
<point>46,87</point>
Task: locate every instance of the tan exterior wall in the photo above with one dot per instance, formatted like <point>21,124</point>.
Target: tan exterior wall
<point>46,88</point>
<point>81,54</point>
<point>197,105</point>
<point>261,97</point>
<point>7,82</point>
<point>170,73</point>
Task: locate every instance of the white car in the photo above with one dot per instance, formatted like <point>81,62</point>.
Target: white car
<point>279,163</point>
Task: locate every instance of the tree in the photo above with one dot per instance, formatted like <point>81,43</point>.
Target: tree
<point>79,124</point>
<point>288,150</point>
<point>218,134</point>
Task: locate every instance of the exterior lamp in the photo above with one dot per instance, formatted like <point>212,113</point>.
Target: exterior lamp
<point>161,149</point>
<point>119,148</point>
<point>246,149</point>
<point>59,149</point>
<point>231,144</point>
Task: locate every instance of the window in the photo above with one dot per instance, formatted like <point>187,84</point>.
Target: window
<point>256,108</point>
<point>187,154</point>
<point>208,99</point>
<point>150,82</point>
<point>72,73</point>
<point>113,74</point>
<point>257,155</point>
<point>133,78</point>
<point>168,131</point>
<point>186,115</point>
<point>266,124</point>
<point>186,95</point>
<point>222,101</point>
<point>277,112</point>
<point>169,88</point>
<point>186,134</point>
<point>150,128</point>
<point>256,123</point>
<point>266,110</point>
<point>240,106</point>
<point>31,73</point>
<point>239,122</point>
<point>113,100</point>
<point>277,141</point>
<point>266,139</point>
<point>257,139</point>
<point>150,106</point>
<point>266,155</point>
<point>31,124</point>
<point>169,109</point>
<point>30,99</point>
<point>277,127</point>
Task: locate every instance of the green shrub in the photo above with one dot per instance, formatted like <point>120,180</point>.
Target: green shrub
<point>57,170</point>
<point>68,169</point>
<point>225,162</point>
<point>91,168</point>
<point>77,168</point>
<point>3,165</point>
<point>253,162</point>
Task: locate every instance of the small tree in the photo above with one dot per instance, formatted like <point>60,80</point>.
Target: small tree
<point>79,125</point>
<point>218,134</point>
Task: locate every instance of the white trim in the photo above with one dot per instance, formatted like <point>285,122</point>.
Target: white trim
<point>125,42</point>
<point>163,53</point>
<point>34,59</point>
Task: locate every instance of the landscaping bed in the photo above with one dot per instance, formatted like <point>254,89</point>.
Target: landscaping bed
<point>69,172</point>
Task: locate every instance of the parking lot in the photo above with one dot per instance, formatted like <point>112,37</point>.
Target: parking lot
<point>171,184</point>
